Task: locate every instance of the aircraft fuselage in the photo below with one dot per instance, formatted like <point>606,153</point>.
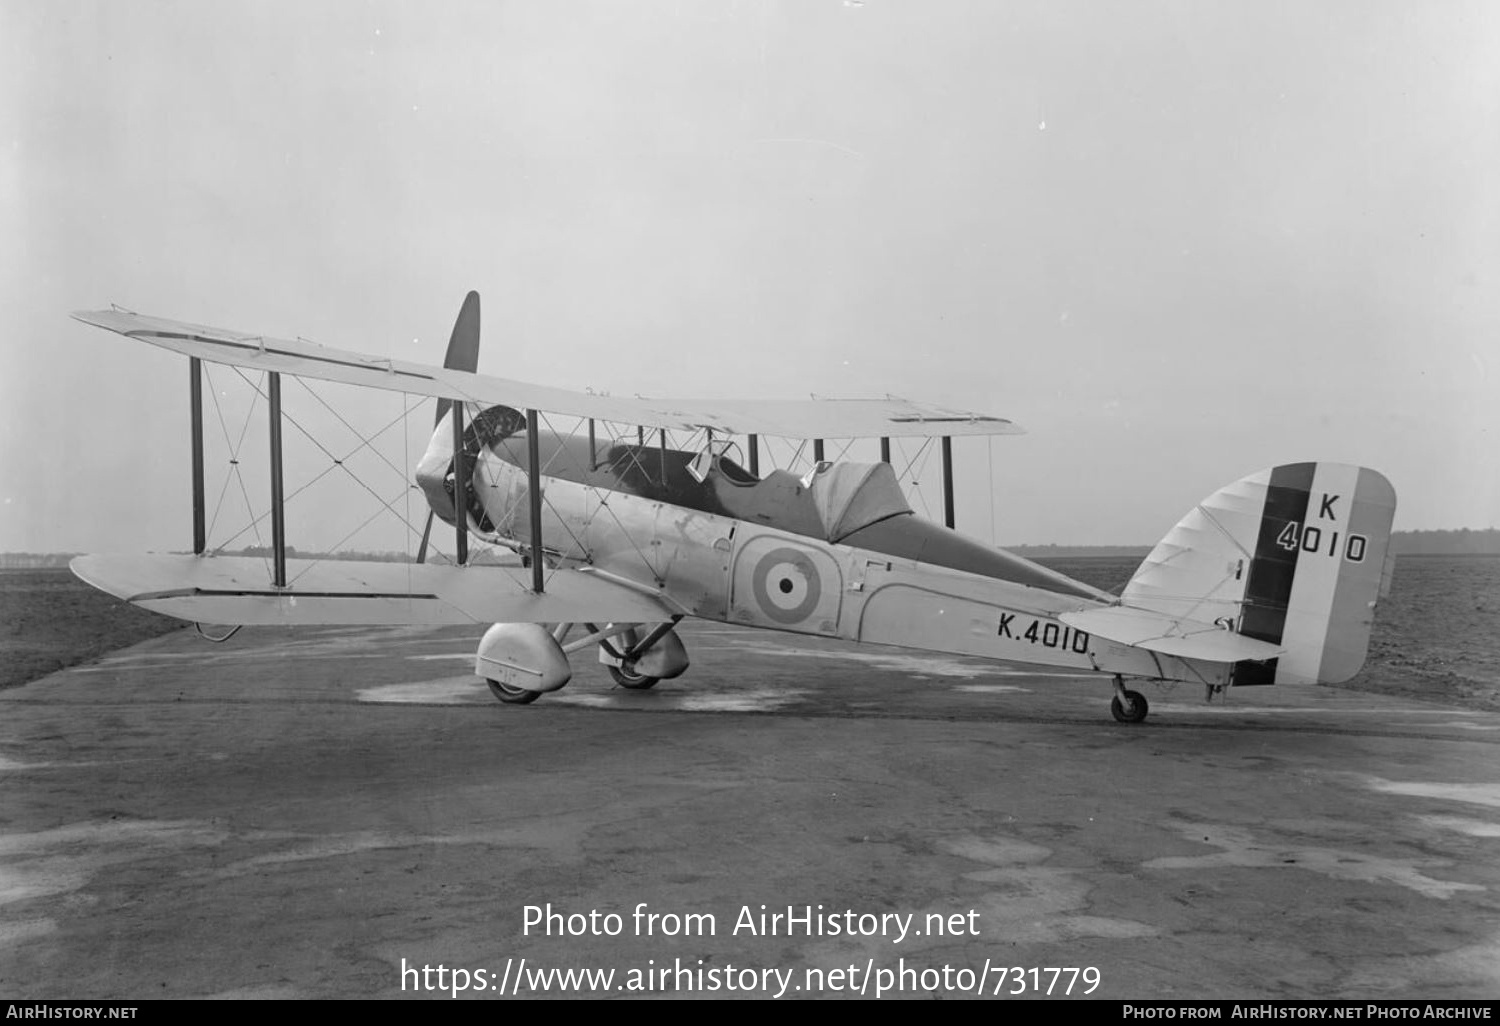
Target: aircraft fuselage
<point>739,550</point>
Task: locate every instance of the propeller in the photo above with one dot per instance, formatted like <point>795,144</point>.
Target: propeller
<point>463,347</point>
<point>463,355</point>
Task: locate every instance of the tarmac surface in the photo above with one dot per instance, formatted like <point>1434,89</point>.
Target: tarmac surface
<point>304,813</point>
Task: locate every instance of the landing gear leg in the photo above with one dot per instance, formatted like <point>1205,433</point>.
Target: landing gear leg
<point>1127,706</point>
<point>625,674</point>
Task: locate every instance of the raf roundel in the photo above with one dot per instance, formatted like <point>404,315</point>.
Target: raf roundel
<point>786,586</point>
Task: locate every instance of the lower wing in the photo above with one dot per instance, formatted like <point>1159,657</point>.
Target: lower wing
<point>235,590</point>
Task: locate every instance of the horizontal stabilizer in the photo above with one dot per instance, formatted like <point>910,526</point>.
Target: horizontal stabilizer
<point>237,590</point>
<point>1173,636</point>
<point>783,418</point>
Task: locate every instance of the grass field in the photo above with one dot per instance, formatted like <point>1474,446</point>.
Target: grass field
<point>50,620</point>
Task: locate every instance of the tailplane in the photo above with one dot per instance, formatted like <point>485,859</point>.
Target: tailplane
<point>1296,557</point>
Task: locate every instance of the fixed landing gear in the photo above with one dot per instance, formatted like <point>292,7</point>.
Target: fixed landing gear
<point>512,695</point>
<point>636,662</point>
<point>520,662</point>
<point>1127,706</point>
<point>625,674</point>
<point>634,681</point>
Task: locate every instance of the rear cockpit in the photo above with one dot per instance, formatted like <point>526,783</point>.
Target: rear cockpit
<point>734,473</point>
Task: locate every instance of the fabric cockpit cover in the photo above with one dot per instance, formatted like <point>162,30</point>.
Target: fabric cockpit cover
<point>849,496</point>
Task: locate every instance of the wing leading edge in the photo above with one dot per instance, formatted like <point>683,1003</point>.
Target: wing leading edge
<point>807,418</point>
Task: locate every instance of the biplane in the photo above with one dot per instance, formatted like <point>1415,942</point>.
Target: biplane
<point>1272,579</point>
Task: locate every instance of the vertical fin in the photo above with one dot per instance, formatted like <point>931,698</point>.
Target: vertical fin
<point>1330,561</point>
<point>1296,556</point>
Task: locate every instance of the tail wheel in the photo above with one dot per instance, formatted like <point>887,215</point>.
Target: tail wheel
<point>1132,709</point>
<point>512,695</point>
<point>625,676</point>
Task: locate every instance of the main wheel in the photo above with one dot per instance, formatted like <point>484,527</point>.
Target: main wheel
<point>1135,712</point>
<point>512,695</point>
<point>634,681</point>
<point>628,678</point>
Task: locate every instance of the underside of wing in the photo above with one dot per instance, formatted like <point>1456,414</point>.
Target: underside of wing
<point>235,590</point>
<point>1170,635</point>
<point>785,418</point>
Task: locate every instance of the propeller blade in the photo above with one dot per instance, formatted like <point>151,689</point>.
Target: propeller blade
<point>463,354</point>
<point>463,346</point>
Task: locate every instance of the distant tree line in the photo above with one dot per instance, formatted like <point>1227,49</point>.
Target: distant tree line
<point>33,560</point>
<point>1462,542</point>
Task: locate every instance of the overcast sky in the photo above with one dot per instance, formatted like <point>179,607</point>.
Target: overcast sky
<point>1176,241</point>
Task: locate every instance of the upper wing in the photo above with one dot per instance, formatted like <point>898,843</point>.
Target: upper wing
<point>234,590</point>
<point>813,418</point>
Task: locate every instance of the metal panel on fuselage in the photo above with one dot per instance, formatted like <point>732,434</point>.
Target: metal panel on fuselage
<point>912,605</point>
<point>785,582</point>
<point>681,552</point>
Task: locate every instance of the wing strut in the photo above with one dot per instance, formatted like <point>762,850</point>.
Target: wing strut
<point>426,536</point>
<point>754,447</point>
<point>278,511</point>
<point>534,493</point>
<point>195,401</point>
<point>460,487</point>
<point>948,481</point>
